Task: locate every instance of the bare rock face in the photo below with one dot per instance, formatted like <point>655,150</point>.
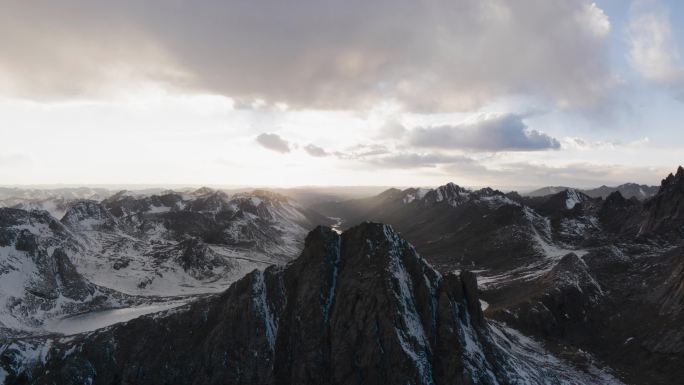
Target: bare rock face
<point>558,304</point>
<point>89,215</point>
<point>360,308</point>
<point>620,215</point>
<point>664,213</point>
<point>72,284</point>
<point>193,256</point>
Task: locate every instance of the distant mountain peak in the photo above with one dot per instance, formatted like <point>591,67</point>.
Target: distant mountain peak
<point>267,195</point>
<point>202,191</point>
<point>573,198</point>
<point>628,190</point>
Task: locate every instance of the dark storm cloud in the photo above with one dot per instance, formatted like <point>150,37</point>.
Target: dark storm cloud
<point>500,133</point>
<point>425,55</point>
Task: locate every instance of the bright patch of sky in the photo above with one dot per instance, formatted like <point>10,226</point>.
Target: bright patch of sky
<point>513,95</point>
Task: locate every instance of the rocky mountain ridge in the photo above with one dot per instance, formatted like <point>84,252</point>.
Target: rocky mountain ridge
<point>628,190</point>
<point>133,251</point>
<point>356,308</point>
<point>575,289</point>
<point>561,267</point>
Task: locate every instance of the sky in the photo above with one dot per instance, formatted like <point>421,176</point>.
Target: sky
<point>510,94</point>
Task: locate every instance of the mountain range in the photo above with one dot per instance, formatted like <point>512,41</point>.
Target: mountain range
<point>627,190</point>
<point>446,285</point>
<point>138,250</point>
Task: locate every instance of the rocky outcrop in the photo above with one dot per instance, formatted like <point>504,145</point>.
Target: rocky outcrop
<point>557,304</point>
<point>87,215</point>
<point>194,256</point>
<point>449,193</point>
<point>664,213</point>
<point>619,215</point>
<point>569,200</point>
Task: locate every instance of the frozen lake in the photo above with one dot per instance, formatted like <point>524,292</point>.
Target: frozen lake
<point>96,320</point>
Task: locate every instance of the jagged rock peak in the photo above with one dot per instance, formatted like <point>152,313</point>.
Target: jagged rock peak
<point>488,191</point>
<point>664,213</point>
<point>617,200</point>
<point>377,250</point>
<point>450,193</point>
<point>615,197</point>
<point>673,179</point>
<point>573,198</point>
<point>451,189</point>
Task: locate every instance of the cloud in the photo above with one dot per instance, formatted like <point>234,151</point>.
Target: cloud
<point>505,132</point>
<point>361,151</point>
<point>376,155</point>
<point>273,142</point>
<point>391,130</point>
<point>653,52</point>
<point>585,145</point>
<point>423,55</point>
<point>314,150</point>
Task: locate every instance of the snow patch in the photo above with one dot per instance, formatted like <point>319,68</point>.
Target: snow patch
<point>572,199</point>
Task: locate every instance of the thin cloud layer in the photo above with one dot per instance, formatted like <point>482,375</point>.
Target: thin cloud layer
<point>579,174</point>
<point>498,133</point>
<point>273,142</point>
<point>417,160</point>
<point>426,56</point>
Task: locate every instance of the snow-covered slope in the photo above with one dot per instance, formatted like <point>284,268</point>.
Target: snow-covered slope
<point>174,244</point>
<point>132,250</point>
<point>38,281</point>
